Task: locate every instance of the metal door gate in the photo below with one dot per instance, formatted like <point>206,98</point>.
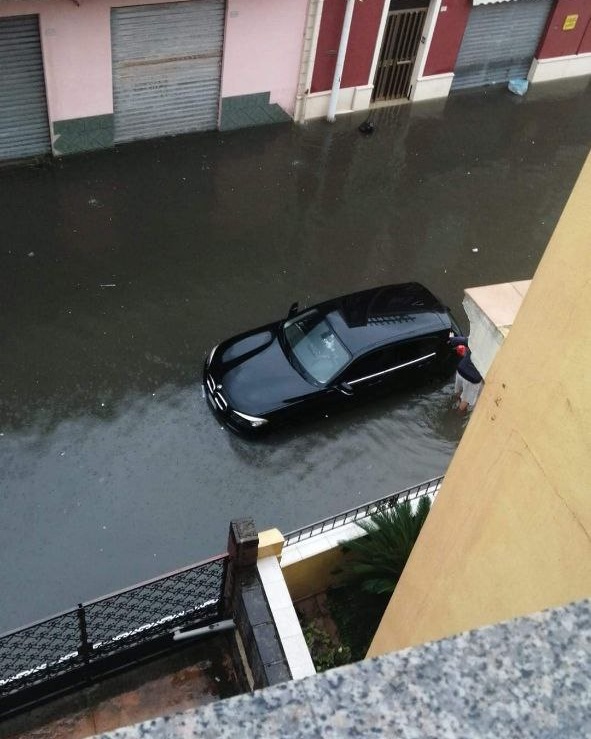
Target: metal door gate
<point>500,42</point>
<point>398,54</point>
<point>166,68</point>
<point>24,125</point>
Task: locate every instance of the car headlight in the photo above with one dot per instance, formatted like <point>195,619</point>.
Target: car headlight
<point>210,355</point>
<point>254,421</point>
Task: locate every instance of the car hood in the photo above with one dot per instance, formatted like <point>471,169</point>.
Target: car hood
<point>255,375</point>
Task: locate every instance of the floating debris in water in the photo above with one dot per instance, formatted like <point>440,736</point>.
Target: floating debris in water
<point>367,127</point>
<point>518,86</point>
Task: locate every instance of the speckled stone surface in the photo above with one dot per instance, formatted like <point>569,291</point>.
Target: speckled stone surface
<point>530,677</point>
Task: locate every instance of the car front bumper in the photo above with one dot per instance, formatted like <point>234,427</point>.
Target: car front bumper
<point>217,401</point>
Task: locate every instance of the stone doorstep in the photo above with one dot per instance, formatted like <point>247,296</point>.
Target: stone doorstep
<point>201,674</point>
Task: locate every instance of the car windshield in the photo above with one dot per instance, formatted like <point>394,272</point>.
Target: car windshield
<point>314,345</point>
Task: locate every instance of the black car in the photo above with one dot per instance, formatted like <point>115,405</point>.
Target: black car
<point>329,355</point>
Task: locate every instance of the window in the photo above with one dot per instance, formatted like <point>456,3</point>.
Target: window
<point>410,351</point>
<point>314,347</point>
<point>371,364</point>
<point>389,360</point>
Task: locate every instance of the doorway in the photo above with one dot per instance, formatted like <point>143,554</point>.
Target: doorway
<point>400,45</point>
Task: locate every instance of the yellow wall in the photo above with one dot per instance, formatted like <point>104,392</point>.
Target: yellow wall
<point>510,531</point>
<point>312,575</point>
<point>270,543</point>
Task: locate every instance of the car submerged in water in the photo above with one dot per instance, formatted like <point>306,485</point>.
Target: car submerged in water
<point>330,355</point>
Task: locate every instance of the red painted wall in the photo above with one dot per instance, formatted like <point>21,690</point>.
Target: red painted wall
<point>557,42</point>
<point>360,49</point>
<point>449,31</point>
<point>585,47</point>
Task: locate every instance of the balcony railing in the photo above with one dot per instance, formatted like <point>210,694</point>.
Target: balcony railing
<point>429,487</point>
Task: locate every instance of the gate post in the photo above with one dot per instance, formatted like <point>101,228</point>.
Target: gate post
<point>84,649</point>
<point>243,546</point>
<point>257,639</point>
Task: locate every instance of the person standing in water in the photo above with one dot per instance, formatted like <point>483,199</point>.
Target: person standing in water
<point>469,382</point>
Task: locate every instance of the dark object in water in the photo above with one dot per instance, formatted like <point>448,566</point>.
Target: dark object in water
<point>367,127</point>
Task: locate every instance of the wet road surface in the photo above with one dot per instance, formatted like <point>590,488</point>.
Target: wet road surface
<point>120,270</point>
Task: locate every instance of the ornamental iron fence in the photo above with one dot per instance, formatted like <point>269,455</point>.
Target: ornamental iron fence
<point>102,635</point>
<point>429,487</point>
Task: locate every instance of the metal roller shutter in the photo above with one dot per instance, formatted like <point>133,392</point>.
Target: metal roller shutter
<point>500,42</point>
<point>24,126</point>
<point>166,68</point>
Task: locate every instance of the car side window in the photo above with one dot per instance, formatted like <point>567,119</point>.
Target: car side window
<point>389,358</point>
<point>410,351</point>
<point>372,363</point>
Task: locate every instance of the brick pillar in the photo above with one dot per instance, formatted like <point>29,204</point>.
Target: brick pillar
<point>245,602</point>
<point>243,546</point>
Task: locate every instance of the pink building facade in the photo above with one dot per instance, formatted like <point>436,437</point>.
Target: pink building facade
<point>86,74</point>
<point>78,75</point>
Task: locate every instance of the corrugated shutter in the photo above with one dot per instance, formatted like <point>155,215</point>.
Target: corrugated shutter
<point>500,42</point>
<point>166,68</point>
<point>24,126</point>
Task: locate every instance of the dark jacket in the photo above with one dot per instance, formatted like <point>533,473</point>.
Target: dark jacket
<point>465,367</point>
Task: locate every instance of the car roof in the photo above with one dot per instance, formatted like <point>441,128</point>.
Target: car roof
<point>384,314</point>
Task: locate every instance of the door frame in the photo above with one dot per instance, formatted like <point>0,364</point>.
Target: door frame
<point>422,52</point>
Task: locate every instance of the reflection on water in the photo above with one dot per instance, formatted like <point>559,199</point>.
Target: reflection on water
<point>122,496</point>
<point>112,469</point>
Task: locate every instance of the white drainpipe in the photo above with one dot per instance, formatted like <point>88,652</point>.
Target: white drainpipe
<point>338,72</point>
<point>308,57</point>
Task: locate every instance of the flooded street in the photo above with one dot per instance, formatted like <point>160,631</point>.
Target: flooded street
<point>120,270</point>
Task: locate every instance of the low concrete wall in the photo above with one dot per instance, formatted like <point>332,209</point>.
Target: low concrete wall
<point>285,618</point>
<point>309,566</point>
<point>491,311</point>
<point>544,70</point>
<point>313,575</point>
<point>434,86</point>
<point>351,100</point>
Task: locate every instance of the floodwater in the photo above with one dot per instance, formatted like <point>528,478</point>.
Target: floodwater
<point>119,271</point>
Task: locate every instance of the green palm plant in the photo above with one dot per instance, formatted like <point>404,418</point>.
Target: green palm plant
<point>376,560</point>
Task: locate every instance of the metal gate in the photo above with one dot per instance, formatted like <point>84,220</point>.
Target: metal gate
<point>398,54</point>
<point>500,42</point>
<point>166,68</point>
<point>79,646</point>
<point>24,125</point>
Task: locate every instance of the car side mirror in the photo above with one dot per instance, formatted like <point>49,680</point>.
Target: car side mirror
<point>294,308</point>
<point>345,388</point>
